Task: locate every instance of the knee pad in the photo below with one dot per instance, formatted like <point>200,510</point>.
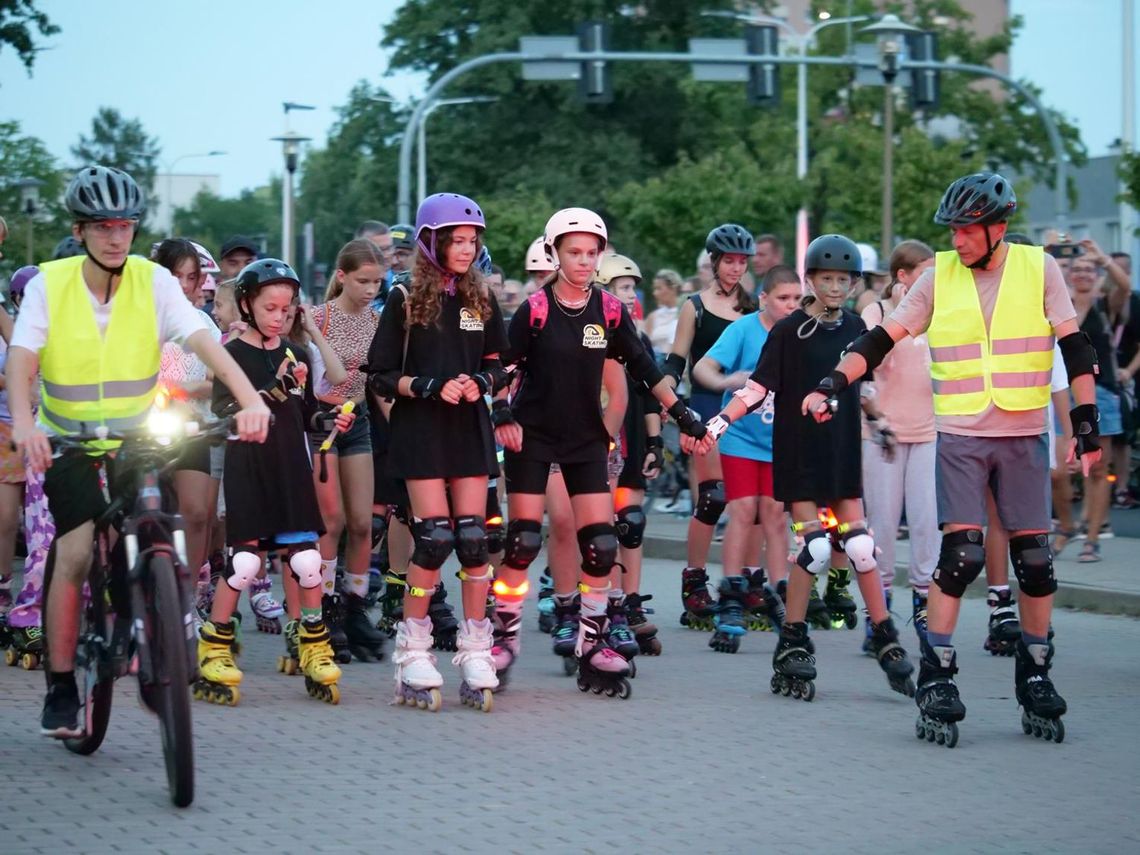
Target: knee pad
<point>815,557</point>
<point>244,565</point>
<point>496,537</point>
<point>471,541</point>
<point>860,549</point>
<point>306,564</point>
<point>524,542</point>
<point>630,525</point>
<point>434,541</point>
<point>400,512</point>
<point>1033,564</point>
<point>960,560</point>
<point>599,547</point>
<point>710,502</point>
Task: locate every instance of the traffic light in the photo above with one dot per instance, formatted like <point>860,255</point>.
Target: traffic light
<point>594,83</point>
<point>926,83</point>
<point>763,77</point>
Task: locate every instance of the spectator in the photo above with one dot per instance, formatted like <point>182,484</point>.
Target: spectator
<point>495,282</point>
<point>875,279</point>
<point>704,272</point>
<point>379,234</point>
<point>237,252</point>
<point>512,297</point>
<point>769,253</point>
<point>661,325</point>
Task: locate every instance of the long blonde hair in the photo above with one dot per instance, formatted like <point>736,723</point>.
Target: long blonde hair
<point>425,296</point>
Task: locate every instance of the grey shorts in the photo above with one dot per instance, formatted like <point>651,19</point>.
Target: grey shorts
<point>1016,469</point>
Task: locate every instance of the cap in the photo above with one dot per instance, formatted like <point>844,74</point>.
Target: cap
<point>240,242</point>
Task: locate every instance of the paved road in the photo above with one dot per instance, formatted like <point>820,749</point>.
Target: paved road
<point>702,758</point>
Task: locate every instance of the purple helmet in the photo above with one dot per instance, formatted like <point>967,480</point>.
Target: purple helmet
<point>21,278</point>
<point>441,211</point>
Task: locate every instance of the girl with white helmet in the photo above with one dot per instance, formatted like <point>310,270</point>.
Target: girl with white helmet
<point>436,353</point>
<point>560,339</point>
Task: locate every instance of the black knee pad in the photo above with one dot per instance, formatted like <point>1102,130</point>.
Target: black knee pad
<point>434,541</point>
<point>524,542</point>
<point>1033,564</point>
<point>961,559</point>
<point>471,541</point>
<point>630,525</point>
<point>710,502</point>
<point>496,536</point>
<point>599,547</point>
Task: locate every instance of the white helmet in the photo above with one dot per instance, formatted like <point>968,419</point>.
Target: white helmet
<point>573,221</point>
<point>536,258</point>
<point>209,266</point>
<point>615,266</point>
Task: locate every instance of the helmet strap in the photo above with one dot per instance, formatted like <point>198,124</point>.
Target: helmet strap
<point>982,262</point>
<point>562,276</point>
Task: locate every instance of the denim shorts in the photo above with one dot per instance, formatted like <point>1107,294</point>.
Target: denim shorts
<point>356,440</point>
<point>1108,403</point>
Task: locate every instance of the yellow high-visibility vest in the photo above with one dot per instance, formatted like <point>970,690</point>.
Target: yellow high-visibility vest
<point>90,380</point>
<point>1011,366</point>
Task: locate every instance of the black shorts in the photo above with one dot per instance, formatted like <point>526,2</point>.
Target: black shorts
<point>75,490</point>
<point>529,476</point>
<point>195,457</point>
<point>631,477</point>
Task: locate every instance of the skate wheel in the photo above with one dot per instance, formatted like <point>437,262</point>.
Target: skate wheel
<point>795,690</point>
<point>624,690</point>
<point>434,701</point>
<point>1047,733</point>
<point>851,621</point>
<point>583,686</point>
<point>632,669</point>
<point>610,691</point>
<point>1058,731</point>
<point>919,730</point>
<point>1037,730</point>
<point>809,692</point>
<point>940,737</point>
<point>29,661</point>
<point>930,734</point>
<point>332,694</point>
<point>11,657</point>
<point>597,690</point>
<point>1026,727</point>
<point>400,699</point>
<point>952,734</point>
<point>569,665</point>
<point>488,700</point>
<point>654,648</point>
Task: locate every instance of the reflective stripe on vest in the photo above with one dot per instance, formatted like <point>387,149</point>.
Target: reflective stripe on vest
<point>90,380</point>
<point>1010,365</point>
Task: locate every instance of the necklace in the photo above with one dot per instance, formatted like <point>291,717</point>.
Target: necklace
<point>563,305</point>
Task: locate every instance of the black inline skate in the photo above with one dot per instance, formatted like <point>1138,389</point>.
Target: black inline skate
<point>392,603</point>
<point>600,668</point>
<point>818,614</point>
<point>730,626</point>
<point>1004,629</point>
<point>892,658</point>
<point>565,635</point>
<point>793,663</point>
<point>696,601</point>
<point>444,626</point>
<point>765,607</point>
<point>646,632</point>
<point>546,621</point>
<point>332,608</point>
<point>940,708</point>
<point>840,607</point>
<point>1041,706</point>
<point>365,642</point>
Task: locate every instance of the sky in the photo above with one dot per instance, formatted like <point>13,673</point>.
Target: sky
<point>213,75</point>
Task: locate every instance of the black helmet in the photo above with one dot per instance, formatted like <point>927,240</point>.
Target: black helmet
<point>104,193</point>
<point>730,238</point>
<point>255,276</point>
<point>984,199</point>
<point>834,252</point>
<point>403,236</point>
<point>69,247</point>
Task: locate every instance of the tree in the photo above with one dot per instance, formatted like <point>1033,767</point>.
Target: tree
<point>19,22</point>
<point>121,143</point>
<point>27,157</point>
<point>1129,171</point>
<point>211,220</point>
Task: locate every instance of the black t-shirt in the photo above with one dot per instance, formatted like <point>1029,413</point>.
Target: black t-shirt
<point>811,462</point>
<point>558,402</point>
<point>1095,326</point>
<point>705,334</point>
<point>1130,335</point>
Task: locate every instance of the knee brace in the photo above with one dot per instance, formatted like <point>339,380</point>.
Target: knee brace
<point>630,525</point>
<point>599,546</point>
<point>524,542</point>
<point>305,562</point>
<point>857,542</point>
<point>471,541</point>
<point>434,541</point>
<point>815,556</point>
<point>960,560</point>
<point>710,502</point>
<point>1033,564</point>
<point>244,565</point>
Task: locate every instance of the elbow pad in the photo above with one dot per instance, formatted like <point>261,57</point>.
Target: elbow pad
<point>752,394</point>
<point>1079,355</point>
<point>674,366</point>
<point>873,346</point>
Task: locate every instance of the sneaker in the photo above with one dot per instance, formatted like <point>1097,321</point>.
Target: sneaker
<point>61,712</point>
<point>1122,501</point>
<point>1106,531</point>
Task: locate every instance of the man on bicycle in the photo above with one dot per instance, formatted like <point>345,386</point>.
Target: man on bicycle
<point>93,327</point>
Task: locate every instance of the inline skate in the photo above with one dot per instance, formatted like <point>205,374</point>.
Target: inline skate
<point>646,632</point>
<point>840,607</point>
<point>793,663</point>
<point>267,611</point>
<point>417,680</point>
<point>696,601</point>
<point>600,668</point>
<point>940,707</point>
<point>1041,706</point>
<point>1004,627</point>
<point>729,620</point>
<point>476,665</point>
<point>892,658</point>
<point>365,642</point>
<point>316,656</point>
<point>443,622</point>
<point>218,674</point>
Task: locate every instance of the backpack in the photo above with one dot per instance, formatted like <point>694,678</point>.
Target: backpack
<point>539,307</point>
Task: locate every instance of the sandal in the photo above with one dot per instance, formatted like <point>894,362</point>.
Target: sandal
<point>1090,553</point>
<point>1061,539</point>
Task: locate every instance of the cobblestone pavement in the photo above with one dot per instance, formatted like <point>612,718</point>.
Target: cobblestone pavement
<point>702,758</point>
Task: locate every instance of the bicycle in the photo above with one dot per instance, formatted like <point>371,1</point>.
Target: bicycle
<point>138,617</point>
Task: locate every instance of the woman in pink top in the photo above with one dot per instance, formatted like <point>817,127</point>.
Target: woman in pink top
<point>899,456</point>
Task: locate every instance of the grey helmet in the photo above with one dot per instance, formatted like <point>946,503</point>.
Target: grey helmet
<point>104,193</point>
<point>834,252</point>
<point>730,238</point>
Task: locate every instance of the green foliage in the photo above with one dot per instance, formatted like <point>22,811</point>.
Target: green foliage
<point>210,220</point>
<point>121,143</point>
<point>19,23</point>
<point>27,157</point>
<point>1129,171</point>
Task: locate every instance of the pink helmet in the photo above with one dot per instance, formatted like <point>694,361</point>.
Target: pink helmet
<point>537,261</point>
<point>209,266</point>
<point>209,283</point>
<point>574,221</point>
<point>442,211</point>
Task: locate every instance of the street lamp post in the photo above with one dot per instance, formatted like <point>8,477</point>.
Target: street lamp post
<point>170,182</point>
<point>291,148</point>
<point>421,133</point>
<point>30,205</point>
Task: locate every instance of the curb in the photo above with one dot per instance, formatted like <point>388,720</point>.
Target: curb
<point>1070,595</point>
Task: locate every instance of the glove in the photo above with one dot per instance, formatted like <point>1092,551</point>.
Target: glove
<point>501,413</point>
<point>426,387</point>
<point>689,422</point>
<point>716,426</point>
<point>654,457</point>
<point>1085,419</point>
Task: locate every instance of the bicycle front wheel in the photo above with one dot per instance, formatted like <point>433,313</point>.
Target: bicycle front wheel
<point>171,691</point>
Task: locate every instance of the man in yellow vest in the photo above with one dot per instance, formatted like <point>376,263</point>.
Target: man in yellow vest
<point>92,327</point>
<point>991,311</point>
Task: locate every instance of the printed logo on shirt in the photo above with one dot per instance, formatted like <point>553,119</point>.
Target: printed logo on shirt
<point>469,322</point>
<point>594,337</point>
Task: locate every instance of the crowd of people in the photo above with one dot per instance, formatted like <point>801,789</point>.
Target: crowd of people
<point>427,388</point>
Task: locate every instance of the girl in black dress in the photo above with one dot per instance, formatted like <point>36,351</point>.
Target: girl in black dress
<point>817,468</point>
<point>437,353</point>
<point>559,339</point>
<point>270,499</point>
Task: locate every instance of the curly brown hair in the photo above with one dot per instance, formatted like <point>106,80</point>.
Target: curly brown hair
<point>425,295</point>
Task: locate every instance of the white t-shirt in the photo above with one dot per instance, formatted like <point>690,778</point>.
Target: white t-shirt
<point>1058,383</point>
